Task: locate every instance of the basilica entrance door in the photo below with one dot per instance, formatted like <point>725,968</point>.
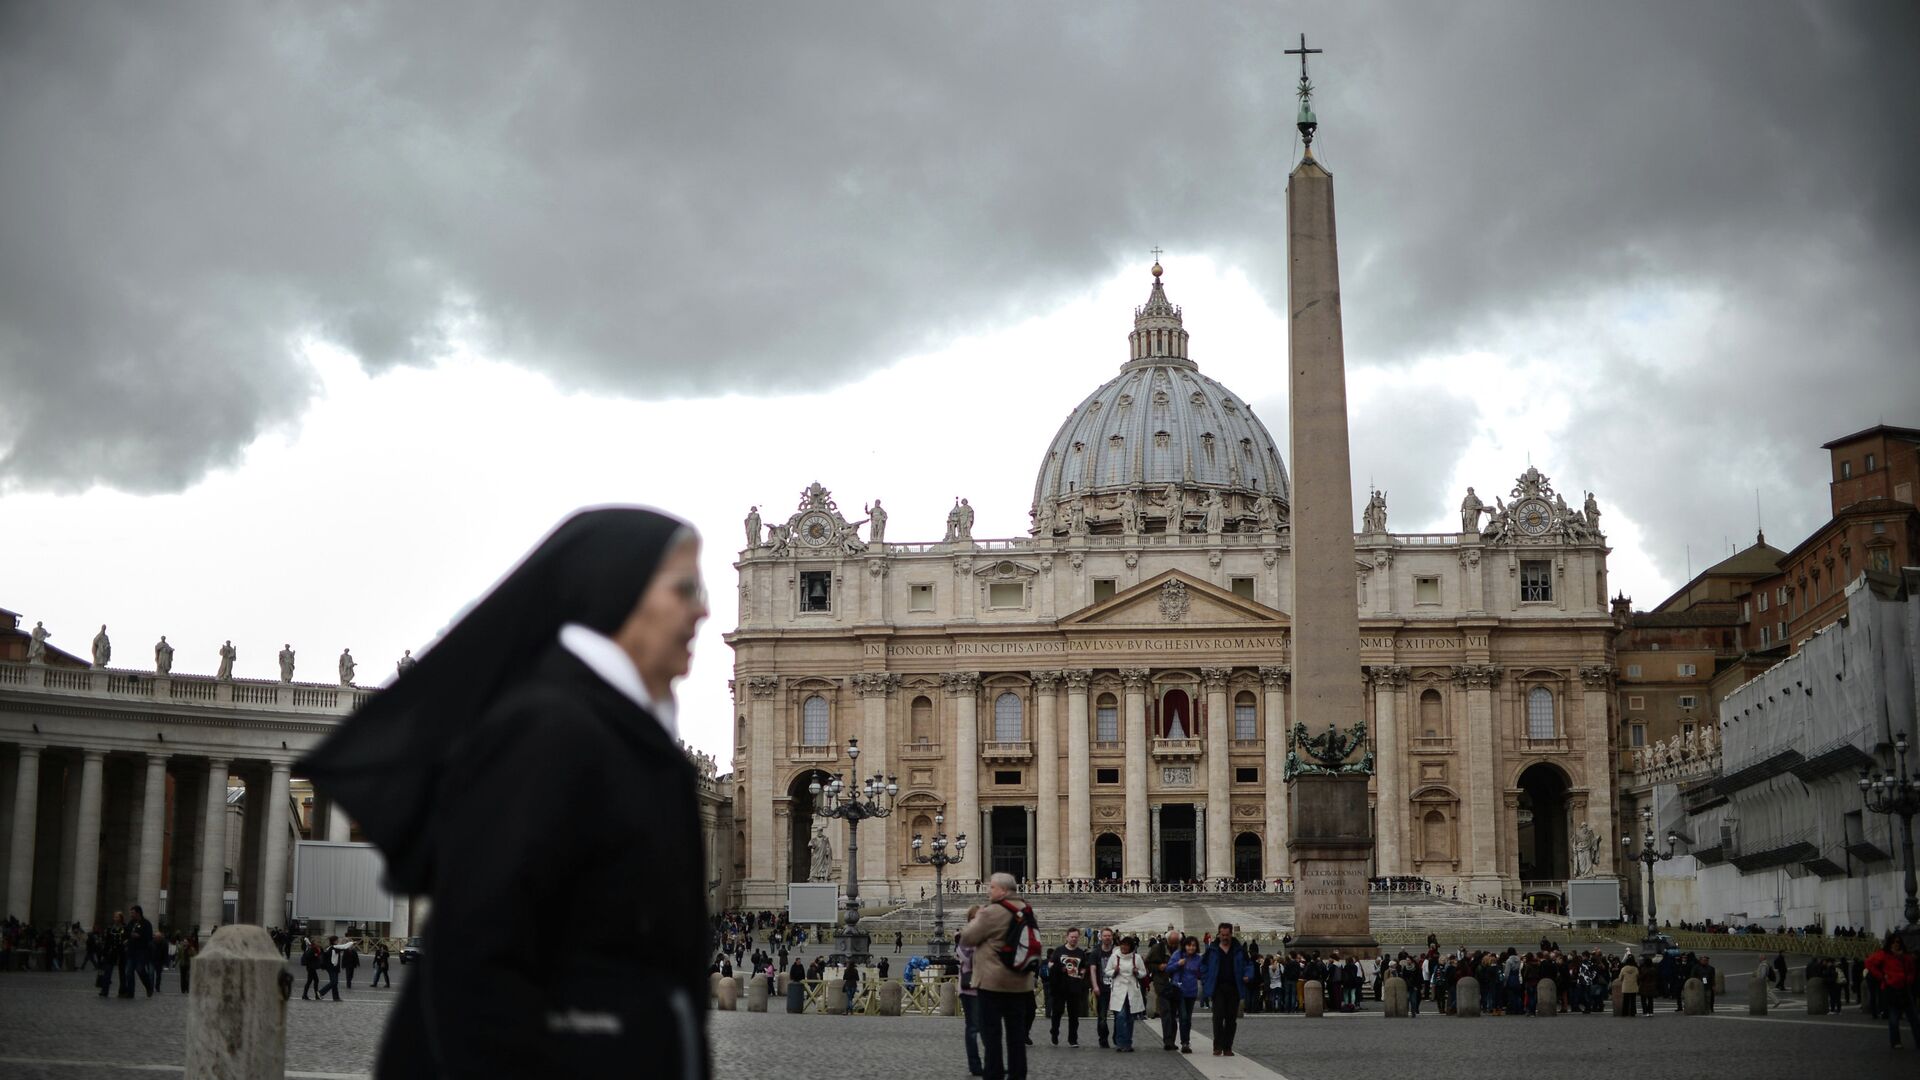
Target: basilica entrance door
<point>1106,857</point>
<point>1178,854</point>
<point>1246,857</point>
<point>1009,855</point>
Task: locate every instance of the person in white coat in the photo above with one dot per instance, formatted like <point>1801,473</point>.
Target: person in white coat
<point>1126,973</point>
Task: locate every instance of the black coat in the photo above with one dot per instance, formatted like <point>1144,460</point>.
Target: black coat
<point>569,910</point>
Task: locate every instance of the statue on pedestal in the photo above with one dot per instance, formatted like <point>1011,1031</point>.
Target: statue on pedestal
<point>1076,518</point>
<point>1216,513</point>
<point>37,642</point>
<point>405,663</point>
<point>102,648</point>
<point>966,521</point>
<point>1129,513</point>
<point>1586,851</point>
<point>821,857</point>
<point>286,663</point>
<point>753,527</point>
<point>346,667</point>
<point>1374,518</point>
<point>162,656</point>
<point>876,523</point>
<point>1592,512</point>
<point>228,654</point>
<point>1470,510</point>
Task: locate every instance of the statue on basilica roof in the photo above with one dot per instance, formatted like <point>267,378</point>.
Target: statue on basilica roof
<point>162,657</point>
<point>102,647</point>
<point>37,642</point>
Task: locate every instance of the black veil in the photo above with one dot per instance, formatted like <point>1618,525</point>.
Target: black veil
<point>386,761</point>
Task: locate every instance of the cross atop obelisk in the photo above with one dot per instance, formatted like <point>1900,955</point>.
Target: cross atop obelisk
<point>1305,119</point>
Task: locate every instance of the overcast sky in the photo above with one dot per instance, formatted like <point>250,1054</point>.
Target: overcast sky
<point>313,318</point>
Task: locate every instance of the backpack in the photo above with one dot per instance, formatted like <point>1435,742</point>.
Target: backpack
<point>1020,950</point>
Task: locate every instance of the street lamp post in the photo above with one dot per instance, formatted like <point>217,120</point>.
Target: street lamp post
<point>869,798</point>
<point>1897,794</point>
<point>1648,857</point>
<point>940,860</point>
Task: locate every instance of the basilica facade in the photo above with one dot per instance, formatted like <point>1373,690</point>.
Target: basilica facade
<point>1109,696</point>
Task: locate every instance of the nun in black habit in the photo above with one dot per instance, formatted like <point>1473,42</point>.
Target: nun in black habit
<point>526,775</point>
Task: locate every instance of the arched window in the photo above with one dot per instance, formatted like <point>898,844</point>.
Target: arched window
<point>1540,714</point>
<point>813,721</point>
<point>1106,720</point>
<point>1106,856</point>
<point>1432,723</point>
<point>923,828</point>
<point>1246,717</point>
<point>1007,718</point>
<point>741,739</point>
<point>1436,839</point>
<point>920,723</point>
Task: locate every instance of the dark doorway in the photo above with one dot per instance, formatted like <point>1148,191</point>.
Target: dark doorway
<point>800,822</point>
<point>1106,857</point>
<point>1246,857</point>
<point>1177,849</point>
<point>1009,855</point>
<point>1542,841</point>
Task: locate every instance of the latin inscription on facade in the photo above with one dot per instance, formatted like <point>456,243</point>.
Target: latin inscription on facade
<point>1091,645</point>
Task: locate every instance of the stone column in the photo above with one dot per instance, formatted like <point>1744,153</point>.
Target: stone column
<point>1159,864</point>
<point>1273,682</point>
<point>213,847</point>
<point>274,838</point>
<point>339,826</point>
<point>153,827</point>
<point>1595,725</point>
<point>965,687</point>
<point>1032,846</point>
<point>876,856</point>
<point>1046,687</point>
<point>1079,778</point>
<point>1389,682</point>
<point>1134,738</point>
<point>1483,867</point>
<point>1216,852</point>
<point>1201,843</point>
<point>86,848</point>
<point>762,841</point>
<point>26,823</point>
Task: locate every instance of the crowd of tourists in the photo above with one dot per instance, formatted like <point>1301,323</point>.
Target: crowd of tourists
<point>126,947</point>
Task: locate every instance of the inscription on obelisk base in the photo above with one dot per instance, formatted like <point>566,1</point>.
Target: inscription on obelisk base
<point>1329,849</point>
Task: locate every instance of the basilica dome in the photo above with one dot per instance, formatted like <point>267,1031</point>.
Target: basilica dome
<point>1159,435</point>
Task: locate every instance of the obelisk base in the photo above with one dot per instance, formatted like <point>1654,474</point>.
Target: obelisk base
<point>1330,849</point>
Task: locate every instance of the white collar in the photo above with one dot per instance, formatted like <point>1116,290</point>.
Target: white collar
<point>608,660</point>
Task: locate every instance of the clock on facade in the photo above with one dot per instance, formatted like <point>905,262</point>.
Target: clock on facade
<point>1533,516</point>
<point>816,529</point>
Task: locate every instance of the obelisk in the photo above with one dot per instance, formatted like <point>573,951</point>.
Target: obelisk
<point>1331,835</point>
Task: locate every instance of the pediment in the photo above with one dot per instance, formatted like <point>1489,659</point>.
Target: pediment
<point>1190,602</point>
<point>1005,570</point>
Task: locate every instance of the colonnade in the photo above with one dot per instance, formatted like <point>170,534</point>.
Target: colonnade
<point>91,830</point>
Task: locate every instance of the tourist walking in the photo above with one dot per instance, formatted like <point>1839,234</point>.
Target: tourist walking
<point>139,953</point>
<point>189,949</point>
<point>1225,974</point>
<point>310,959</point>
<point>1892,968</point>
<point>349,961</point>
<point>1126,974</point>
<point>1165,991</point>
<point>1070,981</point>
<point>330,959</point>
<point>969,1001</point>
<point>496,776</point>
<point>382,965</point>
<point>1102,1000</point>
<point>1183,973</point>
<point>1003,933</point>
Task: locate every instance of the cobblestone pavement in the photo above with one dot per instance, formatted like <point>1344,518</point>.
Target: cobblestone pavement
<point>55,1026</point>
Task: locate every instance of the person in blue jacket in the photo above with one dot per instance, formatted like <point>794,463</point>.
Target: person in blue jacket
<point>1225,975</point>
<point>1183,977</point>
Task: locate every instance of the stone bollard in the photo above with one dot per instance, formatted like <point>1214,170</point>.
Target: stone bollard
<point>1796,979</point>
<point>1719,982</point>
<point>1466,995</point>
<point>1615,996</point>
<point>836,1003</point>
<point>1546,998</point>
<point>757,994</point>
<point>1315,1003</point>
<point>726,996</point>
<point>713,987</point>
<point>796,997</point>
<point>237,1010</point>
<point>1393,994</point>
<point>890,992</point>
<point>780,984</point>
<point>1693,998</point>
<point>949,997</point>
<point>1757,989</point>
<point>1816,997</point>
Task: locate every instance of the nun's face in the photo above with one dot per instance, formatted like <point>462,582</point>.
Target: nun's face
<point>658,636</point>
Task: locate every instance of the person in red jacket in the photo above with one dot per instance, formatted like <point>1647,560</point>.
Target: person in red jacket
<point>1892,967</point>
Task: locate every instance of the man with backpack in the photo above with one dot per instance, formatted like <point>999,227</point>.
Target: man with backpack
<point>1007,947</point>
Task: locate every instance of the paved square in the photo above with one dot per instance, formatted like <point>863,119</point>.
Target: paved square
<point>55,1026</point>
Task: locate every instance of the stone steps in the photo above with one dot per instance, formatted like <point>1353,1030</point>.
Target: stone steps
<point>1405,919</point>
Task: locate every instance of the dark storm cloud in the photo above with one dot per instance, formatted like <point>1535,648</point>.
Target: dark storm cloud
<point>683,199</point>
